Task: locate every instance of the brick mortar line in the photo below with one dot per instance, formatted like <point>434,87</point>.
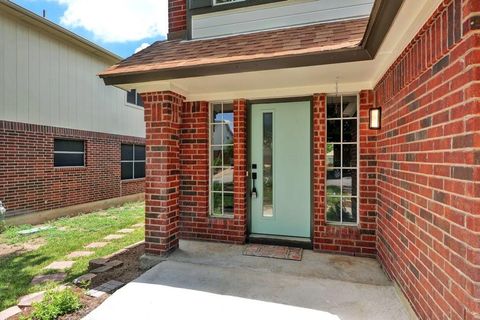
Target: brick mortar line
<point>436,100</point>
<point>429,199</point>
<point>420,74</point>
<point>444,260</point>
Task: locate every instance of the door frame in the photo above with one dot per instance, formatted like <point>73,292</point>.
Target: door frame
<point>280,240</point>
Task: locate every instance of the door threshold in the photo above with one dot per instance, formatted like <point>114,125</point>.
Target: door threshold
<point>305,243</point>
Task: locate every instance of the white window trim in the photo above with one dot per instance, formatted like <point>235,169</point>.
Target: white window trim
<point>211,167</point>
<point>340,223</point>
<point>132,105</point>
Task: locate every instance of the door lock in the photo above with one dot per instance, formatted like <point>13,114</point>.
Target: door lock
<point>253,194</point>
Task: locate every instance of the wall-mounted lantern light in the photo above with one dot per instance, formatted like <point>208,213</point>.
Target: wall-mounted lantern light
<point>375,121</point>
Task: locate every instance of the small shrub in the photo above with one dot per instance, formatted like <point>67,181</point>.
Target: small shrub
<point>55,304</point>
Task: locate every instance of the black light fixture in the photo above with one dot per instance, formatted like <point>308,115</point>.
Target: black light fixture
<point>375,118</point>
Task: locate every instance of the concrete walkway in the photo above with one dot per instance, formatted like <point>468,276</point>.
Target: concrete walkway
<point>215,281</point>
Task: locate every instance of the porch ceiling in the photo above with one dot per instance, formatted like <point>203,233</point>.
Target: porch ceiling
<point>301,80</point>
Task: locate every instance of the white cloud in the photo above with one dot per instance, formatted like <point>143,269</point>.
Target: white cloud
<point>118,20</point>
<point>142,46</point>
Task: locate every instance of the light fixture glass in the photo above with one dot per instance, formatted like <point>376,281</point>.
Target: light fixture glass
<point>375,118</point>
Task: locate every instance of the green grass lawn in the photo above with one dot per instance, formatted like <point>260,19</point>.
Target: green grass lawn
<point>69,234</point>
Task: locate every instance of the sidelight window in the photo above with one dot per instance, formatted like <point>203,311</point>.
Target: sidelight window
<point>221,159</point>
<point>342,160</point>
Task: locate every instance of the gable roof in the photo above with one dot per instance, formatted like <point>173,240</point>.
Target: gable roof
<point>286,42</point>
<point>314,44</point>
<point>52,28</point>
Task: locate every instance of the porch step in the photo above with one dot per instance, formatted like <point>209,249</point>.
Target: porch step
<point>304,243</point>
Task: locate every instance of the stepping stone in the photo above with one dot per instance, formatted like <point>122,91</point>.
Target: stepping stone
<point>28,300</point>
<point>114,237</point>
<point>79,254</point>
<point>126,230</point>
<point>94,245</point>
<point>84,278</point>
<point>60,265</point>
<point>109,266</point>
<point>10,312</point>
<point>107,287</point>
<point>139,225</point>
<point>55,277</point>
<point>97,263</point>
<point>95,293</point>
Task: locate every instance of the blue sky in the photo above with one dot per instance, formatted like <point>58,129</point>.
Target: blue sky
<point>120,26</point>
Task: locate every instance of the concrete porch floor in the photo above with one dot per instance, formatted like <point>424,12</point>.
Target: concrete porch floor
<point>205,280</point>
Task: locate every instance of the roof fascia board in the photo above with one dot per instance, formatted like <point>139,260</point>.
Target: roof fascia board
<point>328,57</point>
<point>381,20</point>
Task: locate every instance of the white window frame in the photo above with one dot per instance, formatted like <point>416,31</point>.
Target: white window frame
<point>215,3</point>
<point>132,161</point>
<point>357,168</point>
<point>134,105</point>
<point>211,168</point>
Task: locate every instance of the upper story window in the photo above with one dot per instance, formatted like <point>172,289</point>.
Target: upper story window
<point>134,98</point>
<point>218,2</point>
<point>342,160</point>
<point>69,153</point>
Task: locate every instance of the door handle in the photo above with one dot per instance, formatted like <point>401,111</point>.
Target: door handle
<point>253,193</point>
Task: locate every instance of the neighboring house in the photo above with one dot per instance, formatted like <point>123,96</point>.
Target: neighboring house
<point>303,79</point>
<point>63,134</point>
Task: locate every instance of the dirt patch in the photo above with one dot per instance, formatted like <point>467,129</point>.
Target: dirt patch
<point>88,303</point>
<point>129,271</point>
<point>32,245</point>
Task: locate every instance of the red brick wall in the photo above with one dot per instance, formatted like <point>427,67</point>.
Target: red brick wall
<point>195,222</point>
<point>177,16</point>
<point>162,182</point>
<point>358,240</point>
<point>428,166</point>
<point>30,182</point>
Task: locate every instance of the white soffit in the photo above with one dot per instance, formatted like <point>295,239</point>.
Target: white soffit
<point>304,81</point>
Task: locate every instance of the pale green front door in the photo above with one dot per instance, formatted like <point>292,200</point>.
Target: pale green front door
<point>280,158</point>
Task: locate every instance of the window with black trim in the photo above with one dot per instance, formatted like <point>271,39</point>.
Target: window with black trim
<point>218,2</point>
<point>69,153</point>
<point>133,161</point>
<point>134,98</point>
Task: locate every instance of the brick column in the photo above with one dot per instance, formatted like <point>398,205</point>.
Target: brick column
<point>239,175</point>
<point>162,183</point>
<point>319,134</point>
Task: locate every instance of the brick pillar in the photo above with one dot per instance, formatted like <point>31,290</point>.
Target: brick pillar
<point>368,177</point>
<point>240,167</point>
<point>319,134</point>
<point>162,119</point>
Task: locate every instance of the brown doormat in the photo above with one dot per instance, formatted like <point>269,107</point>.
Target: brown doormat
<point>277,252</point>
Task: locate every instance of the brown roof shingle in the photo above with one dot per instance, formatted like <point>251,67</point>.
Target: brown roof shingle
<point>177,54</point>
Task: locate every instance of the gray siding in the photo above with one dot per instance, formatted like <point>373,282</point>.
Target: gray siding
<point>276,15</point>
<point>47,81</point>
